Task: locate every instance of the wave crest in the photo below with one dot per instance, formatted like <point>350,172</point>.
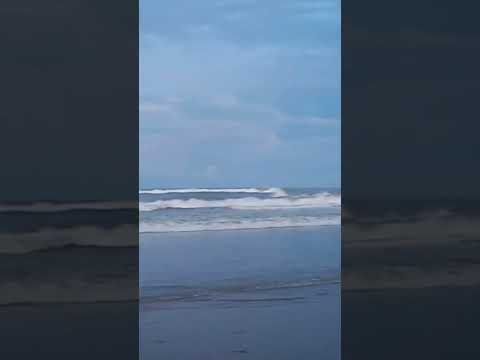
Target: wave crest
<point>229,224</point>
<point>276,192</point>
<point>324,199</point>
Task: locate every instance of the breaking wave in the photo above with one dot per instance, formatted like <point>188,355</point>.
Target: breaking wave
<point>324,199</point>
<point>229,224</point>
<point>276,192</point>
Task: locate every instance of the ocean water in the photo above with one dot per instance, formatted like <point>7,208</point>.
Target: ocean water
<point>182,210</point>
<point>240,273</point>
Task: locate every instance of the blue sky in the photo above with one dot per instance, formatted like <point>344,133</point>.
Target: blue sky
<point>239,93</point>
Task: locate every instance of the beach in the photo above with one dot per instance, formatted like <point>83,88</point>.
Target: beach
<point>252,294</point>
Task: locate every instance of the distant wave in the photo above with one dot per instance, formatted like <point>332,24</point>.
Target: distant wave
<point>324,199</point>
<point>57,207</point>
<point>229,224</point>
<point>276,192</point>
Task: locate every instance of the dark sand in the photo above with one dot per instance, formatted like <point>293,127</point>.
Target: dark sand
<point>296,322</point>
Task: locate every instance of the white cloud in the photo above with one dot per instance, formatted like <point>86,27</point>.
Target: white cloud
<point>218,94</point>
<point>149,107</point>
<point>211,172</point>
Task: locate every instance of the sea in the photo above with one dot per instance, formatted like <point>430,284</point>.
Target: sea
<point>248,273</point>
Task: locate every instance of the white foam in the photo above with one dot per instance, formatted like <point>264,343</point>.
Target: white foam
<point>324,199</point>
<point>276,192</point>
<point>229,224</point>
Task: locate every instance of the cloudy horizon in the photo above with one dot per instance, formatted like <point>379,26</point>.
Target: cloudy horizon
<point>235,93</point>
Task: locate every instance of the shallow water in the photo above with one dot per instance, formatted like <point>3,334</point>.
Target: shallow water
<point>253,294</point>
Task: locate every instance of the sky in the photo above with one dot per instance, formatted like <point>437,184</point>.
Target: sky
<point>239,93</point>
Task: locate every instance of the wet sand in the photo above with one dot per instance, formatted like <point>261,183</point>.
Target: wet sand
<point>294,320</point>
